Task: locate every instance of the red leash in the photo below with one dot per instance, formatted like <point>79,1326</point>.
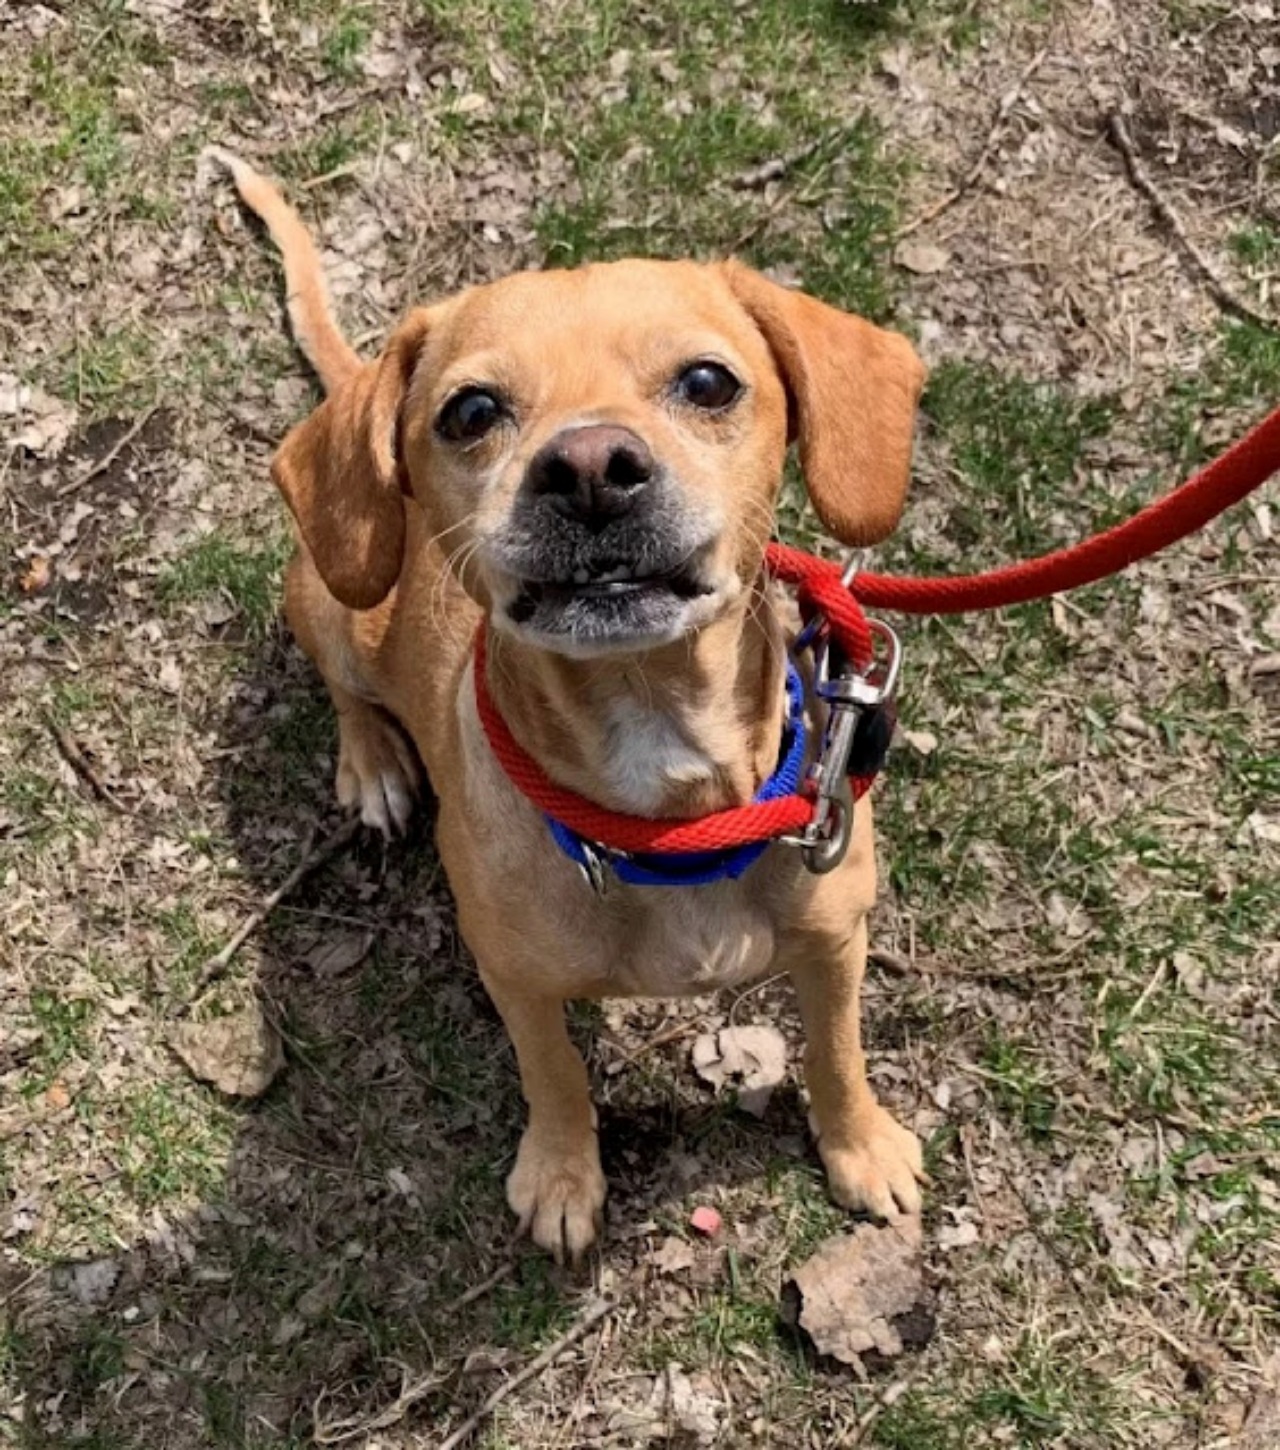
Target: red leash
<point>1245,466</point>
<point>1242,468</point>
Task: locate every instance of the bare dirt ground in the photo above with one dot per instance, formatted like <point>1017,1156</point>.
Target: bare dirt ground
<point>1081,830</point>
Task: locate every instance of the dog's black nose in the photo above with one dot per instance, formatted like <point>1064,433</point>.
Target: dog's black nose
<point>592,474</point>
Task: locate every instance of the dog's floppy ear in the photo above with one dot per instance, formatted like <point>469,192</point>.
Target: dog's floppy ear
<point>342,475</point>
<point>853,391</point>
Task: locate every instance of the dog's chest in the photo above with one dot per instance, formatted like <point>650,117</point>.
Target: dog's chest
<point>667,942</point>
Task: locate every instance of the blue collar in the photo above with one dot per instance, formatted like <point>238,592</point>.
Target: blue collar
<point>697,868</point>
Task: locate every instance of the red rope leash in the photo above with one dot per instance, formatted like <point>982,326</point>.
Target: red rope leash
<point>1224,482</point>
<point>1245,466</point>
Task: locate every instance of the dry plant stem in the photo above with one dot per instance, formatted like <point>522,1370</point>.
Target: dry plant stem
<point>83,767</point>
<point>109,457</point>
<point>476,1291</point>
<point>342,1431</point>
<point>931,214</point>
<point>312,857</point>
<point>1229,301</point>
<point>891,962</point>
<point>592,1316</point>
<point>777,166</point>
<point>891,1394</point>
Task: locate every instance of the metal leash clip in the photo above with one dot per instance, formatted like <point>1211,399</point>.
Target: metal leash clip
<point>824,842</point>
<point>594,868</point>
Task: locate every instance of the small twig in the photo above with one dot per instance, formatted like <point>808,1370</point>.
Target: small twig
<point>1007,103</point>
<point>75,757</point>
<point>1224,296</point>
<point>348,168</point>
<point>340,1431</point>
<point>777,166</point>
<point>891,962</point>
<point>592,1316</point>
<point>662,1039</point>
<point>95,470</point>
<point>312,858</point>
<point>891,1394</point>
<point>477,1291</point>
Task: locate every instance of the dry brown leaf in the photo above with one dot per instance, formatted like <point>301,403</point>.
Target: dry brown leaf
<point>921,257</point>
<point>240,1054</point>
<point>37,576</point>
<point>339,952</point>
<point>857,1287</point>
<point>754,1057</point>
<point>674,1256</point>
<point>924,742</point>
<point>1262,1423</point>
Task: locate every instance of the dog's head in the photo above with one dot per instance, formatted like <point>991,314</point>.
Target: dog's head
<point>599,452</point>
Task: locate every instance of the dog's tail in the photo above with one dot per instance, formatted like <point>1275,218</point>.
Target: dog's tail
<point>307,296</point>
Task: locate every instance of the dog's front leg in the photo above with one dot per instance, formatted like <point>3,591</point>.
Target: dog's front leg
<point>872,1162</point>
<point>556,1187</point>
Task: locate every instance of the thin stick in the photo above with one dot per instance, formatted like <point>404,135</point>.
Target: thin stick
<point>341,1431</point>
<point>312,858</point>
<point>109,457</point>
<point>591,1317</point>
<point>83,766</point>
<point>889,1396</point>
<point>778,166</point>
<point>891,962</point>
<point>931,214</point>
<point>476,1291</point>
<point>1228,300</point>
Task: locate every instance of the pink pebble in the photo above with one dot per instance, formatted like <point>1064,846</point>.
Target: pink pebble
<point>706,1220</point>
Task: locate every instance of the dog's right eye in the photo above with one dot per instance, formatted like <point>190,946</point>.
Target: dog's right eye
<point>469,415</point>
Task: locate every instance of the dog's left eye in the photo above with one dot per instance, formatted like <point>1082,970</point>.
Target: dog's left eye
<point>469,415</point>
<point>707,385</point>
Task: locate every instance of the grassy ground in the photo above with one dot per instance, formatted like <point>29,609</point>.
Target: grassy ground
<point>1080,867</point>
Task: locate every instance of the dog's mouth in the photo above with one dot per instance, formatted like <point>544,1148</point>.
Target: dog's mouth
<point>616,582</point>
<point>613,605</point>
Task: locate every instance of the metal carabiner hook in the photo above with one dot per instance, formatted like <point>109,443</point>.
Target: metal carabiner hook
<point>826,853</point>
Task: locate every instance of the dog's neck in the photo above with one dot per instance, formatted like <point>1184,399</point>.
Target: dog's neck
<point>684,730</point>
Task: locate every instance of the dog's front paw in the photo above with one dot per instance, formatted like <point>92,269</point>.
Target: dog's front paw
<point>378,772</point>
<point>877,1167</point>
<point>558,1195</point>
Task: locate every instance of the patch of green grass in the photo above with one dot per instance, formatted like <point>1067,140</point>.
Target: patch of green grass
<point>64,1024</point>
<point>190,943</point>
<point>70,700</point>
<point>108,371</point>
<point>27,794</point>
<point>806,1213</point>
<point>918,1421</point>
<point>530,1308</point>
<point>725,1321</point>
<point>1019,446</point>
<point>327,149</point>
<point>1040,1396</point>
<point>1243,373</point>
<point>173,1144</point>
<point>672,105</point>
<point>346,39</point>
<point>1018,1085</point>
<point>96,1358</point>
<point>246,574</point>
<point>1257,245</point>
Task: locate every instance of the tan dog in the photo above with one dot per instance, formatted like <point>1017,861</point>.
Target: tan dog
<point>589,460</point>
